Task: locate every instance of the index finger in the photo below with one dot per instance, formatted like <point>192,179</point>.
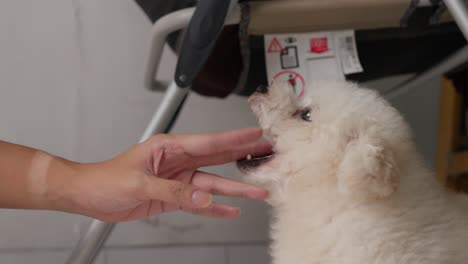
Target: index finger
<point>218,185</point>
<point>218,142</point>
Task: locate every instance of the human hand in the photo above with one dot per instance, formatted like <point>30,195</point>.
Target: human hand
<point>161,175</point>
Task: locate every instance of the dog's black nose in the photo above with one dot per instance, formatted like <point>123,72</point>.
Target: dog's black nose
<point>262,89</point>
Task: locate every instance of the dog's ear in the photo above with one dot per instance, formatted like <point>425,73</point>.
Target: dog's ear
<point>368,169</point>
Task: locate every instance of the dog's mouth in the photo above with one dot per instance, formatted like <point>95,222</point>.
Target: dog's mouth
<point>250,163</point>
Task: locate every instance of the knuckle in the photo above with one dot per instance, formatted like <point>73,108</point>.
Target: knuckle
<point>180,192</point>
<point>213,187</point>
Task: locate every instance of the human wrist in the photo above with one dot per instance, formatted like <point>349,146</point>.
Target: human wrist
<point>59,183</point>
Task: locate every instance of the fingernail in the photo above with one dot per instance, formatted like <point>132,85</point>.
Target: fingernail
<point>202,199</point>
<point>236,212</point>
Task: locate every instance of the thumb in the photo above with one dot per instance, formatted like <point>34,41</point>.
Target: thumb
<point>178,193</point>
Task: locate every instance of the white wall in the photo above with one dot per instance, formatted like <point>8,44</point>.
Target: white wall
<point>71,83</point>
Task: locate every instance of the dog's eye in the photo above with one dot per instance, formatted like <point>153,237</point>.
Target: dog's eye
<point>306,115</point>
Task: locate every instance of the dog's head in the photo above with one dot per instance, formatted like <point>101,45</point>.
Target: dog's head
<point>337,138</point>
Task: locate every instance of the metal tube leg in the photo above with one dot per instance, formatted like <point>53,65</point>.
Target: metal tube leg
<point>459,12</point>
<point>168,107</point>
<point>91,243</point>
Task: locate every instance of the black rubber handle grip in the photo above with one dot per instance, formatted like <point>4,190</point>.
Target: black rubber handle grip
<point>200,38</point>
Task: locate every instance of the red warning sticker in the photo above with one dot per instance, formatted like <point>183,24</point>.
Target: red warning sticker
<point>275,46</point>
<point>318,45</point>
<point>296,81</point>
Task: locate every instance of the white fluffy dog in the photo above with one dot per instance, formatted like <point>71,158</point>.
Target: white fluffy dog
<point>347,183</point>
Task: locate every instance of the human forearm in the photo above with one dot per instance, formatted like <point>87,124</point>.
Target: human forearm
<point>30,178</point>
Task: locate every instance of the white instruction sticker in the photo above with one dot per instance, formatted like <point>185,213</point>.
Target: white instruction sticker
<point>346,45</point>
<point>299,58</point>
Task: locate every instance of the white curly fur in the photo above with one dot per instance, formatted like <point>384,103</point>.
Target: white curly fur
<point>349,187</point>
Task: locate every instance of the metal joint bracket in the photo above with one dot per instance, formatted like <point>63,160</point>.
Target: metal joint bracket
<point>459,11</point>
<point>159,32</point>
<point>432,10</point>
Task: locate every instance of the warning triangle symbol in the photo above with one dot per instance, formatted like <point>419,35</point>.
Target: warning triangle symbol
<point>275,46</point>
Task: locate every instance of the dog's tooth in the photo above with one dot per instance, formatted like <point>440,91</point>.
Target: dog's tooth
<point>249,157</point>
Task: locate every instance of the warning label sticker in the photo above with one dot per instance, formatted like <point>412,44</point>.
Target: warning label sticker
<point>347,50</point>
<point>295,79</point>
<point>300,58</point>
<point>319,45</point>
<point>275,46</point>
<point>289,58</point>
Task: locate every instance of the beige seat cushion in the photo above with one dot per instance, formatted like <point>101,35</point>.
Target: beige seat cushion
<point>282,16</point>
